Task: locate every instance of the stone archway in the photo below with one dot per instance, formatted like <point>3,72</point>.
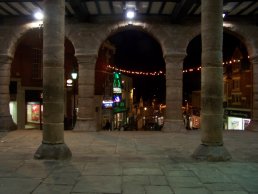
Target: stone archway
<point>11,36</point>
<point>86,52</point>
<point>249,36</point>
<point>133,52</point>
<point>234,51</point>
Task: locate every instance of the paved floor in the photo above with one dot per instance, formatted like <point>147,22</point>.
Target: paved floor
<point>128,163</point>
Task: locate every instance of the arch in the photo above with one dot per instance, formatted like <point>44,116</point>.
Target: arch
<point>140,27</point>
<point>243,38</point>
<point>29,41</point>
<point>193,62</point>
<point>112,43</point>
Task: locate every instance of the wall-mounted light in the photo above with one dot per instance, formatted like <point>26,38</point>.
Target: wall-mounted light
<point>74,75</point>
<point>224,15</point>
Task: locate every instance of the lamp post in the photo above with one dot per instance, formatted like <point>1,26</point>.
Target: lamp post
<point>74,75</point>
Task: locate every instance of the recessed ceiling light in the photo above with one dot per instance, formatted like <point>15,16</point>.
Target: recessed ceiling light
<point>39,15</point>
<point>130,14</point>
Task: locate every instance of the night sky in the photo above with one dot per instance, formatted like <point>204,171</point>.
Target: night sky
<point>192,81</point>
<point>138,51</point>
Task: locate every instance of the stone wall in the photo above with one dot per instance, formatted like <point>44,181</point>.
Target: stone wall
<point>87,39</point>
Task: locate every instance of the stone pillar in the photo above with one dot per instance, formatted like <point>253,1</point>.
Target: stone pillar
<point>86,120</point>
<point>6,121</point>
<point>53,146</point>
<point>253,126</point>
<point>20,106</point>
<point>174,89</point>
<point>212,148</point>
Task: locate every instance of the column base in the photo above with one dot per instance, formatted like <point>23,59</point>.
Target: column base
<point>173,126</point>
<point>253,126</point>
<point>53,152</point>
<point>211,153</point>
<point>7,124</point>
<point>87,125</point>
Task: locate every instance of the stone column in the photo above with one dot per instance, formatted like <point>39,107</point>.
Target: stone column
<point>21,110</point>
<point>86,120</point>
<point>6,121</point>
<point>53,146</point>
<point>253,126</point>
<point>212,148</point>
<point>174,89</point>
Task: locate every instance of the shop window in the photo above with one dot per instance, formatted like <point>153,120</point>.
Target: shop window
<point>37,64</point>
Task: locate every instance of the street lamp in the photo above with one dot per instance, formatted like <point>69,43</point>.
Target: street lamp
<point>74,75</point>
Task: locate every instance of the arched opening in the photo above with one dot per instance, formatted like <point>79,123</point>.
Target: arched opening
<point>136,58</point>
<point>237,77</point>
<point>26,81</point>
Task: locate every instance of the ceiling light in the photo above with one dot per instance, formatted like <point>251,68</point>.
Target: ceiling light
<point>130,14</point>
<point>38,15</point>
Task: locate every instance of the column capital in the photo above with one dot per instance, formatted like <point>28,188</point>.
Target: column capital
<point>175,55</point>
<point>86,60</point>
<point>87,57</point>
<point>175,58</point>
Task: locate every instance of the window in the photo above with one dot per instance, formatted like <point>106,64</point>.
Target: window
<point>236,84</point>
<point>236,99</point>
<point>37,64</point>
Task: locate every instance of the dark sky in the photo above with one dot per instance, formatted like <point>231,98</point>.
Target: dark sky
<point>192,81</point>
<point>136,50</point>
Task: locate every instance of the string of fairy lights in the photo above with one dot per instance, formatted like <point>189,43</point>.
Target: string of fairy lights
<point>154,73</point>
<point>158,73</point>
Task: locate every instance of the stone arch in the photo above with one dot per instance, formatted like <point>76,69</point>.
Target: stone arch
<point>173,53</point>
<point>139,27</point>
<point>10,37</point>
<point>249,36</point>
<point>243,39</point>
<point>109,36</point>
<point>12,42</point>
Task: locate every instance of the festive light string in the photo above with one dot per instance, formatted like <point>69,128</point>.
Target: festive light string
<point>155,73</point>
<point>224,63</point>
<point>192,69</point>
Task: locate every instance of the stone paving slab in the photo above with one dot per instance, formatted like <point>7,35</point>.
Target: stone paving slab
<point>147,163</point>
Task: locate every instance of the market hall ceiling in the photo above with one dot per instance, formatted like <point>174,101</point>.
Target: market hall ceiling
<point>88,10</point>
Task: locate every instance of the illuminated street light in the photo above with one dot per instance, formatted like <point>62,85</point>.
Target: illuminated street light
<point>69,82</point>
<point>74,75</point>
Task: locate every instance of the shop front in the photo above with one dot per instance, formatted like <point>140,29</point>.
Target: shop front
<point>237,119</point>
<point>34,108</point>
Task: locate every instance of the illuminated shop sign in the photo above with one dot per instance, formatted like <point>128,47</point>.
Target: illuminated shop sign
<point>117,98</point>
<point>117,89</point>
<point>107,104</point>
<point>238,113</point>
